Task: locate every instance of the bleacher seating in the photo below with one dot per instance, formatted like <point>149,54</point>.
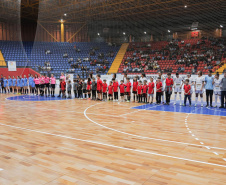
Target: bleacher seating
<point>33,55</point>
<point>169,56</point>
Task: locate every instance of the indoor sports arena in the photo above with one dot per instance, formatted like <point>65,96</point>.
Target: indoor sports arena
<point>112,92</point>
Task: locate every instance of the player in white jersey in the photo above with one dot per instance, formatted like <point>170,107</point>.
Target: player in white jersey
<point>216,88</point>
<point>178,82</point>
<point>163,87</point>
<point>199,86</point>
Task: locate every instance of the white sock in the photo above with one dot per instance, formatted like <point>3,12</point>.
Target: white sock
<point>180,98</point>
<point>175,98</point>
<point>216,99</point>
<point>196,100</point>
<point>201,100</point>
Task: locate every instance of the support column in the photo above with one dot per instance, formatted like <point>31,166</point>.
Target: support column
<point>62,31</point>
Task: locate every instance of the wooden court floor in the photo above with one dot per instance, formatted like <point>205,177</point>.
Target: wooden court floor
<point>107,143</point>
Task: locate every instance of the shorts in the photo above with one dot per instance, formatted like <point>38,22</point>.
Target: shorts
<point>99,91</point>
<point>105,93</point>
<point>151,95</point>
<point>217,93</point>
<point>87,91</point>
<point>121,94</point>
<point>109,94</point>
<point>127,93</point>
<point>134,92</point>
<point>41,85</point>
<point>47,85</point>
<point>199,92</point>
<point>144,95</point>
<point>84,91</point>
<point>53,86</point>
<point>177,89</point>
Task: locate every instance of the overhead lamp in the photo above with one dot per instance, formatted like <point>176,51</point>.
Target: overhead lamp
<point>185,6</point>
<point>65,14</point>
<point>124,33</point>
<point>221,26</point>
<point>168,31</point>
<point>98,34</point>
<point>145,32</point>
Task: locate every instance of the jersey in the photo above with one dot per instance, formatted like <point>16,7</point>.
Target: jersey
<point>115,86</point>
<point>139,89</point>
<point>122,88</point>
<point>25,82</point>
<point>151,87</point>
<point>159,87</point>
<point>110,89</point>
<point>10,82</point>
<point>14,81</point>
<point>145,89</point>
<point>178,82</point>
<point>199,81</point>
<point>187,89</point>
<point>99,84</point>
<point>216,85</point>
<point>105,86</point>
<point>135,84</point>
<point>128,86</point>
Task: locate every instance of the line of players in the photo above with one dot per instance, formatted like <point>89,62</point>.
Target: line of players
<point>31,85</point>
<point>143,91</point>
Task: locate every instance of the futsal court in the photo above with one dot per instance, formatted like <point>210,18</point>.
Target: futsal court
<point>90,142</point>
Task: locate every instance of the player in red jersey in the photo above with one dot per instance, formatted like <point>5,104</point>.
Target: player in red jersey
<point>151,87</point>
<point>158,90</point>
<point>187,93</point>
<point>122,90</point>
<point>135,84</point>
<point>88,88</point>
<point>115,89</point>
<point>139,91</point>
<point>168,88</point>
<point>99,88</point>
<point>110,91</point>
<point>145,89</point>
<point>105,87</point>
<point>128,89</point>
<point>63,87</point>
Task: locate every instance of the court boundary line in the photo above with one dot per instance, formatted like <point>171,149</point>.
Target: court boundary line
<point>114,146</point>
<point>143,137</point>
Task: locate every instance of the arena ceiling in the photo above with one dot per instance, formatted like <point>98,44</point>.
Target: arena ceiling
<point>163,11</point>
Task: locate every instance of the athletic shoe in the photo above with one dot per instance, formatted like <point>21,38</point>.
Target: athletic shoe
<point>215,106</point>
<point>195,105</point>
<point>221,107</point>
<point>181,104</point>
<point>211,105</point>
<point>127,101</point>
<point>207,105</point>
<point>175,103</point>
<point>201,105</point>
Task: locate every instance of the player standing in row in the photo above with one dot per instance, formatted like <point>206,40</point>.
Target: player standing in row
<point>216,88</point>
<point>223,91</point>
<point>178,83</point>
<point>168,88</point>
<point>128,89</point>
<point>199,86</point>
<point>162,79</point>
<point>135,84</point>
<point>99,88</point>
<point>191,82</point>
<point>53,85</point>
<point>209,88</point>
<point>151,87</point>
<point>14,85</point>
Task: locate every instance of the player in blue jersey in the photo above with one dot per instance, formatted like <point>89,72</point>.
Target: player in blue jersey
<point>5,83</point>
<point>18,85</point>
<point>10,83</point>
<point>25,84</point>
<point>14,84</point>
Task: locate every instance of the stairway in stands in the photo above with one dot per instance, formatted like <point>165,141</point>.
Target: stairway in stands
<point>2,60</point>
<point>118,59</point>
<point>221,69</point>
